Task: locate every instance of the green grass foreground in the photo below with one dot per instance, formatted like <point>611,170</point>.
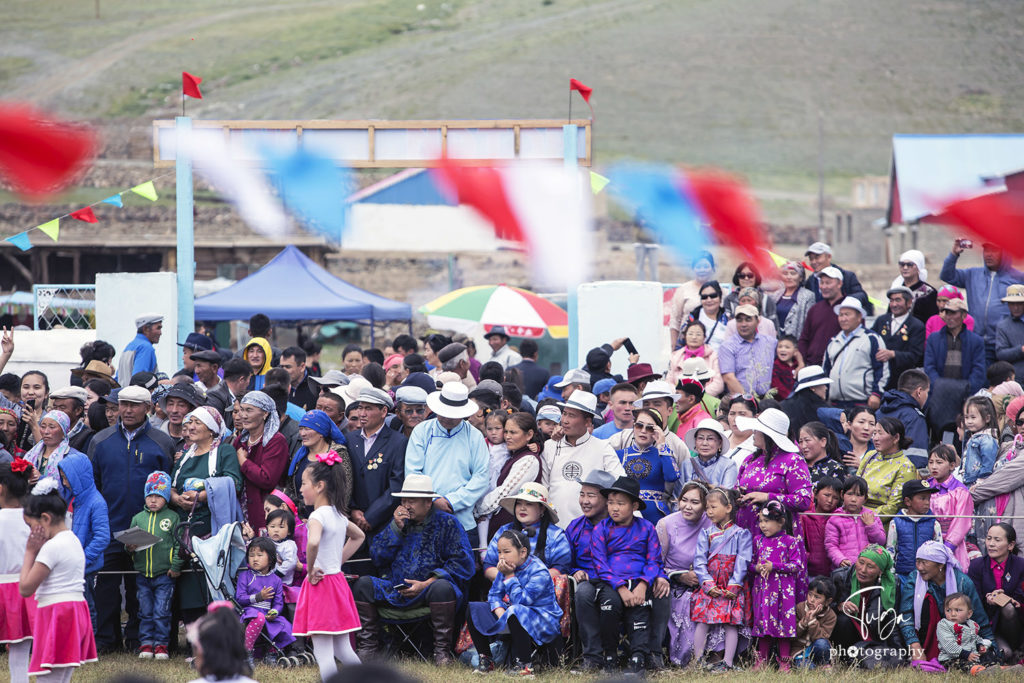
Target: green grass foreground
<point>176,670</point>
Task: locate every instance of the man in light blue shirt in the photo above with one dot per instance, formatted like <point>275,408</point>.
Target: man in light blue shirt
<point>140,355</point>
<point>451,452</point>
<point>746,359</point>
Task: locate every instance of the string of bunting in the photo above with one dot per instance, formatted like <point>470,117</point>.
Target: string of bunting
<point>51,228</point>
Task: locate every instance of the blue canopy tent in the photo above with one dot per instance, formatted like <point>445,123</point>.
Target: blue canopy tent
<point>293,287</point>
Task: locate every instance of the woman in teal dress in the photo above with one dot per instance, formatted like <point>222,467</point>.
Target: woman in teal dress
<point>207,456</point>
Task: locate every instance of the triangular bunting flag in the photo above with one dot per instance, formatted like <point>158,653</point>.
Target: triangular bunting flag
<point>581,89</point>
<point>85,214</point>
<point>20,240</point>
<point>51,228</point>
<point>114,201</point>
<point>146,190</point>
<point>597,182</point>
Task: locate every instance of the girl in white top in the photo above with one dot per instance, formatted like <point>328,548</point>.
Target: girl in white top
<point>17,614</point>
<point>54,569</point>
<point>326,611</point>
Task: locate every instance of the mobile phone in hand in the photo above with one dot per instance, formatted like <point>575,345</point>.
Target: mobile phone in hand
<point>400,586</point>
<point>629,346</point>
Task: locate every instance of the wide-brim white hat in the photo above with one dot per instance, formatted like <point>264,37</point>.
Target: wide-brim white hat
<point>690,439</point>
<point>659,388</point>
<point>853,303</point>
<point>773,423</point>
<point>583,401</point>
<point>531,492</point>
<point>811,376</point>
<point>452,402</point>
<point>417,486</point>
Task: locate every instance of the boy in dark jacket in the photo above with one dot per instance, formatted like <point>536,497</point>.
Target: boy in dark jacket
<point>158,566</point>
<point>89,520</point>
<point>904,404</point>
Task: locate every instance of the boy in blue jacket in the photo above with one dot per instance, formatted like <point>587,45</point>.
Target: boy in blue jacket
<point>89,521</point>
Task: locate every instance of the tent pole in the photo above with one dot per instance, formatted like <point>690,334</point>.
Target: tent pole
<point>373,329</point>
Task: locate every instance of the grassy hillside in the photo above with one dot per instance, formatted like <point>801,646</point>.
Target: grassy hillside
<point>735,83</point>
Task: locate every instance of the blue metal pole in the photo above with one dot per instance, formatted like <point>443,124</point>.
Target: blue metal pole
<point>571,158</point>
<point>186,236</point>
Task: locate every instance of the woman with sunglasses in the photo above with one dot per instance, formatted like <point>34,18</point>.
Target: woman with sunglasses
<point>913,275</point>
<point>747,275</point>
<point>649,462</point>
<point>793,300</point>
<point>711,313</point>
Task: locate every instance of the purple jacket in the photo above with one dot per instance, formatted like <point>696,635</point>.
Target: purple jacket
<point>846,537</point>
<point>624,553</point>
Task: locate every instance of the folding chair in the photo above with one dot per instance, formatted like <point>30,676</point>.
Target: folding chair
<point>406,628</point>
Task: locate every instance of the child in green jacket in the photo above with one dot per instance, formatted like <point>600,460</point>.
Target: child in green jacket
<point>158,567</point>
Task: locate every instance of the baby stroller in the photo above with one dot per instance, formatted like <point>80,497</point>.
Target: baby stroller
<point>220,557</point>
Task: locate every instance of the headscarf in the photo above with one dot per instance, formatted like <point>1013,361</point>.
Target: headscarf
<point>949,292</point>
<point>209,416</point>
<point>933,551</point>
<point>886,580</point>
<point>322,424</point>
<point>267,405</point>
<point>10,407</point>
<point>917,258</point>
<point>34,455</point>
<point>267,354</point>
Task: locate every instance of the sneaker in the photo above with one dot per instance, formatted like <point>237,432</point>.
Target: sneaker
<point>784,665</point>
<point>586,667</point>
<point>521,670</point>
<point>655,661</point>
<point>611,664</point>
<point>146,652</point>
<point>635,666</point>
<point>160,652</point>
<point>485,666</point>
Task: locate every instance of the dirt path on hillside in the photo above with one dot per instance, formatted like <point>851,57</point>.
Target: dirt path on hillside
<point>81,71</point>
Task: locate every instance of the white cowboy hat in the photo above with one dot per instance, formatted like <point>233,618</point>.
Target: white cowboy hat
<point>416,486</point>
<point>533,493</point>
<point>659,388</point>
<point>773,423</point>
<point>709,424</point>
<point>695,368</point>
<point>584,401</point>
<point>810,376</point>
<point>853,303</point>
<point>452,402</point>
<point>350,392</point>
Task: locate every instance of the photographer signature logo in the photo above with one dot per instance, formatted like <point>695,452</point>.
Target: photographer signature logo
<point>886,620</point>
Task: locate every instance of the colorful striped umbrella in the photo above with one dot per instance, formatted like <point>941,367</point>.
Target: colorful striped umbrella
<point>521,313</point>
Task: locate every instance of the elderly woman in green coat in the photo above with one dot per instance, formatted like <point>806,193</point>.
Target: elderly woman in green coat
<point>208,455</point>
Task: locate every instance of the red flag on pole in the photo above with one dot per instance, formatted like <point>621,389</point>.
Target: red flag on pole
<point>583,90</point>
<point>190,85</point>
<point>85,214</point>
<point>40,155</point>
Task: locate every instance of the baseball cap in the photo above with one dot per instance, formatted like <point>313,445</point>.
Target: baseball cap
<point>819,248</point>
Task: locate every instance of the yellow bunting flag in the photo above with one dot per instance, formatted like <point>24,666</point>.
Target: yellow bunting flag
<point>597,182</point>
<point>146,190</point>
<point>51,228</point>
<point>779,260</point>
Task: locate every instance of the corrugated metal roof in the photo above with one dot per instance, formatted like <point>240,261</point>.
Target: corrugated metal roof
<point>412,186</point>
<point>931,170</point>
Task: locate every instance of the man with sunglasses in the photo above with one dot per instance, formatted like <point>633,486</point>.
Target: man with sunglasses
<point>410,409</point>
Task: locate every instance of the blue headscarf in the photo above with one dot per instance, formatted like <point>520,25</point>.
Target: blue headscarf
<point>322,424</point>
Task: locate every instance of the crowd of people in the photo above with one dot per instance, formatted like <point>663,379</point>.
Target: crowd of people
<point>797,487</point>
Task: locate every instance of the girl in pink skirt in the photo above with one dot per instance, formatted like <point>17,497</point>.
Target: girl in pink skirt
<point>17,614</point>
<point>326,612</point>
<point>54,569</point>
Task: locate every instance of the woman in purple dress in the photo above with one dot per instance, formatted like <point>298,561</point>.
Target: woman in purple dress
<point>775,471</point>
<point>678,534</point>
